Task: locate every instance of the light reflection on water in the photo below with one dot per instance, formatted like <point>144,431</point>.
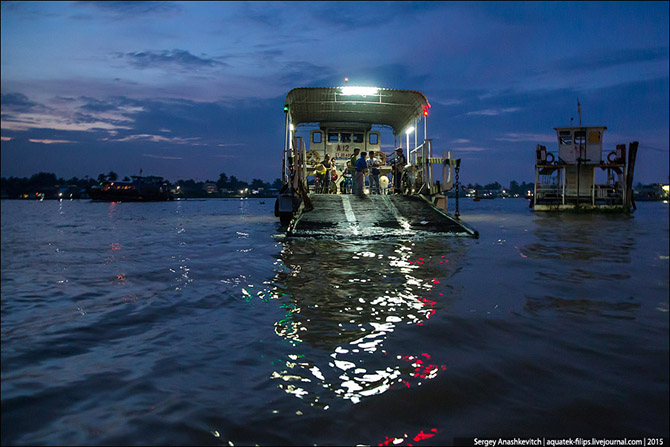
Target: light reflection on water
<point>347,298</point>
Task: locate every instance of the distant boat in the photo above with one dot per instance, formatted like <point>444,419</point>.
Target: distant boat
<point>139,189</point>
<point>653,192</point>
<point>581,174</point>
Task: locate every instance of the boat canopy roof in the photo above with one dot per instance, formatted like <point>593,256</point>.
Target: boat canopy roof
<point>355,105</point>
<point>579,128</point>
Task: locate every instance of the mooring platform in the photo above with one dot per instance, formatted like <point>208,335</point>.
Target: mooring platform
<point>374,216</point>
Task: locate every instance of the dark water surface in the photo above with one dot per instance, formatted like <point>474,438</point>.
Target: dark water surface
<point>190,323</point>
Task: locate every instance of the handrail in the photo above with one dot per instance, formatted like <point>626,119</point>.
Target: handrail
<point>607,157</point>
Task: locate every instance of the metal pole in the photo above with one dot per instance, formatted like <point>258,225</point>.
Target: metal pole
<point>535,188</point>
<point>416,131</point>
<point>284,174</point>
<point>408,159</point>
<point>457,215</point>
<point>563,175</point>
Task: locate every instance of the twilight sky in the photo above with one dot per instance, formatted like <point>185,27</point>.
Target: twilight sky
<point>192,89</point>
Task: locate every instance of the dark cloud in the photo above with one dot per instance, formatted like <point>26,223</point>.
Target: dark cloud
<point>96,105</point>
<point>26,11</point>
<point>182,58</point>
<point>269,55</point>
<point>392,75</point>
<point>304,74</point>
<point>257,13</point>
<point>587,62</point>
<point>19,103</point>
<point>131,8</point>
<point>350,15</point>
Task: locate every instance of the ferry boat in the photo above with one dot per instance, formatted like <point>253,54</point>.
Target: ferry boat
<point>139,189</point>
<point>333,122</point>
<point>583,175</point>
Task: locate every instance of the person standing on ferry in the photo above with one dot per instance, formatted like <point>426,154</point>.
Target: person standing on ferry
<point>333,176</point>
<point>359,178</point>
<point>352,171</point>
<point>326,178</point>
<point>398,167</point>
<point>373,173</point>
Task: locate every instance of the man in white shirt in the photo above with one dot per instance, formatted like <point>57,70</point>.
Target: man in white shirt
<point>373,173</point>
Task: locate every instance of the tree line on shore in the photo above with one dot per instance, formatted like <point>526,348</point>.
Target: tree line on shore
<point>49,185</point>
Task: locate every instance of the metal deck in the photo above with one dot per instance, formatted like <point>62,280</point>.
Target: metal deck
<point>374,216</point>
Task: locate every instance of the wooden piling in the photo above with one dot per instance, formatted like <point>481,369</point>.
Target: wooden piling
<point>630,168</point>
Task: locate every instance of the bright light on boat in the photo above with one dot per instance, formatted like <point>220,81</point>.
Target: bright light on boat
<point>363,91</point>
<point>410,130</point>
<point>291,127</point>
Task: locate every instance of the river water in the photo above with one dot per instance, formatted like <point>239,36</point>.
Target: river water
<point>195,323</point>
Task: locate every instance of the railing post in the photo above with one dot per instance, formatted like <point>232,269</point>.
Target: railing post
<point>563,175</point>
<point>285,175</point>
<point>426,168</point>
<point>429,155</point>
<point>535,188</point>
<point>593,192</point>
<point>630,167</point>
<point>447,168</point>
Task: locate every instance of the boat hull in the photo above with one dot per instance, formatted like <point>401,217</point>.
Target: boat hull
<point>141,189</point>
<point>103,196</point>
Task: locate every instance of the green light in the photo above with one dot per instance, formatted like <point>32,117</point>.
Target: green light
<point>286,108</point>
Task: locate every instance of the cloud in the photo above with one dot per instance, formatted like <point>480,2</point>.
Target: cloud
<point>264,14</point>
<point>471,149</point>
<point>5,138</point>
<point>33,140</point>
<point>18,102</point>
<point>27,121</point>
<point>446,101</point>
<point>181,58</point>
<point>131,9</point>
<point>19,113</point>
<point>159,139</point>
<point>460,141</point>
<point>614,58</point>
<point>534,137</point>
<point>96,105</point>
<point>302,73</point>
<point>357,15</point>
<point>494,112</point>
<point>162,157</point>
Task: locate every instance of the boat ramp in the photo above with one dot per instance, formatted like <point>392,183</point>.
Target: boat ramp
<point>375,217</point>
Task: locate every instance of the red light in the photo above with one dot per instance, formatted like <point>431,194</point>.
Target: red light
<point>425,110</point>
